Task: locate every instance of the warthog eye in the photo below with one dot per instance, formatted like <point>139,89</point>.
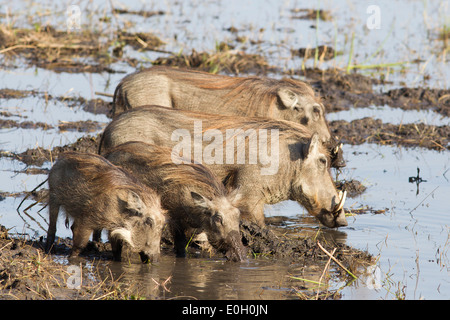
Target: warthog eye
<point>316,112</point>
<point>148,221</point>
<point>217,218</point>
<point>323,162</point>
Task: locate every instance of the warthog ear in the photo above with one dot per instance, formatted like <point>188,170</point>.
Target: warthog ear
<point>135,202</point>
<point>235,196</point>
<point>288,98</point>
<point>200,200</point>
<point>314,145</point>
<point>131,203</point>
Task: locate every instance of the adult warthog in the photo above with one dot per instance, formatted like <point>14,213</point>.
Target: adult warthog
<point>182,89</point>
<point>196,201</point>
<point>271,161</point>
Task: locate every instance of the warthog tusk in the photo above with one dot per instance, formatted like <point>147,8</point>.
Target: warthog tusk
<point>337,148</point>
<point>123,234</point>
<point>294,103</point>
<point>342,197</point>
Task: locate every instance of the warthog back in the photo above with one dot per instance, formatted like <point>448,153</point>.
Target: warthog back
<point>184,89</point>
<point>272,160</point>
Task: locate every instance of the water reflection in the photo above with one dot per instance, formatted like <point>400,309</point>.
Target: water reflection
<point>212,279</point>
<point>207,279</point>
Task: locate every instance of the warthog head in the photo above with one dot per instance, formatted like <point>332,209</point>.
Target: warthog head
<point>315,189</point>
<point>222,225</point>
<point>143,220</point>
<point>304,108</point>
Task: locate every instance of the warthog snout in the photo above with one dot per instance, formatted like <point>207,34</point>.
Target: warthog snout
<point>336,153</point>
<point>149,258</point>
<point>337,157</point>
<point>236,250</point>
<point>336,218</point>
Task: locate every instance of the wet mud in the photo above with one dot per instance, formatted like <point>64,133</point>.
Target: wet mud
<point>323,53</point>
<point>80,126</point>
<point>27,272</point>
<point>409,135</point>
<point>224,60</point>
<point>342,91</point>
<point>311,14</point>
<point>37,156</point>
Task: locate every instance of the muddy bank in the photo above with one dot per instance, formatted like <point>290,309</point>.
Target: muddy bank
<point>342,91</point>
<point>9,123</point>
<point>26,272</point>
<point>95,106</point>
<point>311,14</point>
<point>223,60</point>
<point>38,156</point>
<point>323,53</point>
<point>80,126</point>
<point>354,188</point>
<point>270,243</point>
<point>6,93</point>
<point>375,131</point>
<point>71,52</point>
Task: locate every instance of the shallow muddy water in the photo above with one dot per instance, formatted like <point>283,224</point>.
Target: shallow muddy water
<point>410,240</point>
<point>408,225</point>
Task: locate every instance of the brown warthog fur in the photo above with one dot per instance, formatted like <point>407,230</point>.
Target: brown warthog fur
<point>195,199</point>
<point>285,99</point>
<point>302,173</point>
<point>99,195</point>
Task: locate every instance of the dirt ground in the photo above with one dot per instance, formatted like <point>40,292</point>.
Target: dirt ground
<point>27,273</point>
